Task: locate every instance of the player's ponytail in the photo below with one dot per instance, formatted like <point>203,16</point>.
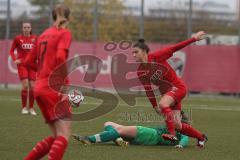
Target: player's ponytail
<point>60,15</point>
<point>142,45</point>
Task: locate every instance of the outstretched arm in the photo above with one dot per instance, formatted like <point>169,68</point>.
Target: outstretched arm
<point>166,53</point>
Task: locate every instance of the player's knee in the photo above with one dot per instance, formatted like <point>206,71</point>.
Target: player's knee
<point>24,86</point>
<point>119,129</point>
<point>163,104</point>
<point>178,125</point>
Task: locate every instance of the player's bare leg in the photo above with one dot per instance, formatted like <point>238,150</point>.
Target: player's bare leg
<point>53,129</point>
<point>24,95</point>
<point>177,118</point>
<point>124,131</point>
<point>63,132</point>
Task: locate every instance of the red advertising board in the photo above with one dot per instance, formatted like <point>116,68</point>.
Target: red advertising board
<point>203,68</point>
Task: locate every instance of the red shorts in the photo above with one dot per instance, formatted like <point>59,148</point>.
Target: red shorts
<point>52,105</point>
<point>26,73</point>
<point>178,93</point>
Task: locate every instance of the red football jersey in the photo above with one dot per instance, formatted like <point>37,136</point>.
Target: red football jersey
<point>159,72</point>
<point>24,45</point>
<point>50,43</point>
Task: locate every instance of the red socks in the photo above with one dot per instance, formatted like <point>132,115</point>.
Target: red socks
<point>31,99</point>
<point>191,132</point>
<point>24,93</point>
<point>167,112</point>
<point>58,148</point>
<point>24,96</point>
<point>41,149</point>
<point>55,148</point>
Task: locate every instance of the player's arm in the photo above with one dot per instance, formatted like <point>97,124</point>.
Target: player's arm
<point>150,94</point>
<point>166,53</point>
<point>61,57</point>
<point>13,47</point>
<point>183,142</point>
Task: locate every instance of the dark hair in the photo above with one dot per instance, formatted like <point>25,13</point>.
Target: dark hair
<point>142,45</point>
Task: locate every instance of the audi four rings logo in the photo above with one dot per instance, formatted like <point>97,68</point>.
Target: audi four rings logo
<point>27,46</point>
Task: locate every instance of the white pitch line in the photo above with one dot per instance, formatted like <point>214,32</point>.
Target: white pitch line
<point>200,107</point>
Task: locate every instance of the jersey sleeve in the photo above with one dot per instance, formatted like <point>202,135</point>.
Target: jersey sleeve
<point>63,47</point>
<point>149,92</point>
<point>184,140</point>
<point>166,53</point>
<point>13,47</point>
<point>65,41</point>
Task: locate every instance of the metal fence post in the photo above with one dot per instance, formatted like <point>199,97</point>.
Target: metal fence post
<point>95,22</point>
<point>50,12</point>
<point>189,21</point>
<point>141,23</point>
<point>95,32</point>
<point>238,19</point>
<point>7,39</point>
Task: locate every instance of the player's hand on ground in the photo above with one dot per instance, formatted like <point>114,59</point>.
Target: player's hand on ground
<point>18,61</point>
<point>178,146</point>
<point>200,35</point>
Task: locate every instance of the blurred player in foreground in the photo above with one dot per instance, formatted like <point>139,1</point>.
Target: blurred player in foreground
<point>136,135</point>
<point>154,69</point>
<point>23,45</point>
<point>52,48</point>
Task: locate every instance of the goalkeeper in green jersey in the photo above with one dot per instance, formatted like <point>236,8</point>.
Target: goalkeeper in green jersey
<point>137,135</point>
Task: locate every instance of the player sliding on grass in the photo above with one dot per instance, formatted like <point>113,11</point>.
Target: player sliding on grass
<point>137,135</point>
<point>154,69</point>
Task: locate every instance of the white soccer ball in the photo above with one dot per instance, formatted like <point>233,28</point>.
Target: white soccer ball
<point>75,97</point>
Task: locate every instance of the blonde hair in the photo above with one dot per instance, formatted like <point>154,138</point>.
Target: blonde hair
<point>60,15</point>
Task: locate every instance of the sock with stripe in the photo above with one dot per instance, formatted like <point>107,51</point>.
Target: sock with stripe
<point>41,149</point>
<point>24,96</point>
<point>58,148</point>
<point>109,134</point>
<point>191,132</point>
<point>31,99</point>
<point>167,112</point>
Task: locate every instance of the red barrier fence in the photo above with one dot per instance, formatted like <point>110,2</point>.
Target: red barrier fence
<point>203,68</point>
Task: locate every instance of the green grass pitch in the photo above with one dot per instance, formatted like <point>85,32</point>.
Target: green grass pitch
<point>218,117</point>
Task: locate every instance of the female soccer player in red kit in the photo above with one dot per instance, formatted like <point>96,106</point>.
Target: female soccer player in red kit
<point>24,44</point>
<point>155,69</point>
<point>52,50</point>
